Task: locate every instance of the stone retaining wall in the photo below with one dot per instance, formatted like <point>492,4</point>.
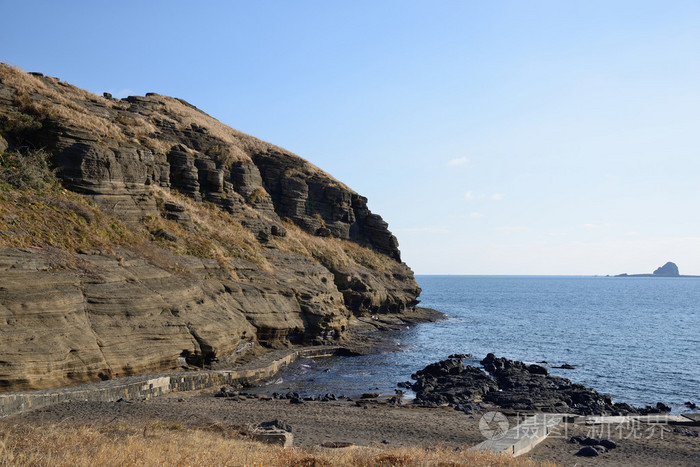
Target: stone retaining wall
<point>149,386</point>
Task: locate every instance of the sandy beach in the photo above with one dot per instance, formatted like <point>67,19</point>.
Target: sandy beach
<point>638,445</point>
<point>365,424</point>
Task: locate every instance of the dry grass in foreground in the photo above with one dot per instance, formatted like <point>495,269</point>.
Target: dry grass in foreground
<point>159,444</point>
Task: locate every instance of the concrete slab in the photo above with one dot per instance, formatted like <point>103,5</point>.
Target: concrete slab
<point>531,431</point>
<point>524,436</point>
<point>620,419</point>
<point>601,420</point>
<point>662,418</point>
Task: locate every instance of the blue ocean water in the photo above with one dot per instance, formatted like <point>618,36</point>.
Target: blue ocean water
<point>637,339</point>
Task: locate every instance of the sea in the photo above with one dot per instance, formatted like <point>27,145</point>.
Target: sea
<point>635,338</point>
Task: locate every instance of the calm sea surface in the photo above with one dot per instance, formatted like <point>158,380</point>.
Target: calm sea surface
<point>637,339</point>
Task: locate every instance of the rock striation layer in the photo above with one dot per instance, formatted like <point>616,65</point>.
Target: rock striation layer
<point>202,242</point>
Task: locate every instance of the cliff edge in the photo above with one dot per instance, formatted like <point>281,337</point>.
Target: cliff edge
<point>141,235</point>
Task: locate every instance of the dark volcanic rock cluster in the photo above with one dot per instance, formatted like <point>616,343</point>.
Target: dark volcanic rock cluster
<point>530,387</point>
<point>450,382</point>
<point>511,385</point>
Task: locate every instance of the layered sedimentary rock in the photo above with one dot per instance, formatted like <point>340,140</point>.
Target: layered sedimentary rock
<point>71,315</point>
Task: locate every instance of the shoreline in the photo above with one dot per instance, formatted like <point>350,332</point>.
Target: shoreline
<point>254,368</point>
<point>374,422</point>
<point>368,335</point>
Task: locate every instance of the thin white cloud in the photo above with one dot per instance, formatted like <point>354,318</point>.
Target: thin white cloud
<point>476,215</point>
<point>513,228</point>
<point>471,196</point>
<point>457,161</point>
<point>590,226</point>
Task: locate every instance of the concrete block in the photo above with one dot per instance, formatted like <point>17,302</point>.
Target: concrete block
<point>278,437</point>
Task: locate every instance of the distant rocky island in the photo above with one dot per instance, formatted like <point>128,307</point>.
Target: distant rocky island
<point>667,270</point>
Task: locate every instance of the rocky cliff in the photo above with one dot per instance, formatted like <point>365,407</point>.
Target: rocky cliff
<point>141,235</point>
<point>667,270</point>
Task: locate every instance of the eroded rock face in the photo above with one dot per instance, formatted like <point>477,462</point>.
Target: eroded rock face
<point>158,140</point>
<point>118,316</point>
<point>125,310</point>
<point>116,176</point>
<point>369,292</point>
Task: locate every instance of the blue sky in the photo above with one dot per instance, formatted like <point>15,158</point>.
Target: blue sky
<point>500,137</point>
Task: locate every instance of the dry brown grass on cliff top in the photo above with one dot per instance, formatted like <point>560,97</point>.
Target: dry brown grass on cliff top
<point>186,115</point>
<point>16,78</point>
<point>66,102</point>
<point>136,126</point>
<point>60,101</point>
<point>160,444</point>
<point>217,235</point>
<point>35,211</point>
<point>332,252</point>
<point>60,219</point>
<point>50,97</point>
